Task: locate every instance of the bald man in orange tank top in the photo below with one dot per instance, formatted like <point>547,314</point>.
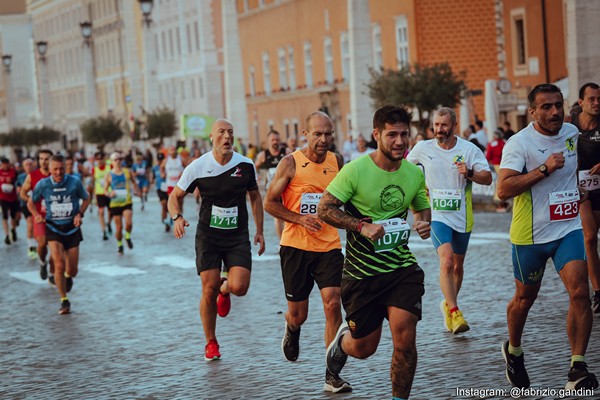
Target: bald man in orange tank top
<point>310,249</point>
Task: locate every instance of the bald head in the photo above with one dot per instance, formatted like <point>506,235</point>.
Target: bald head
<point>315,115</point>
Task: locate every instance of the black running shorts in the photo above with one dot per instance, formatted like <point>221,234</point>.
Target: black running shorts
<point>102,201</point>
<point>162,195</point>
<point>595,199</point>
<point>119,210</point>
<point>68,241</point>
<point>365,301</point>
<point>25,211</point>
<point>301,269</point>
<point>233,251</point>
<point>9,208</point>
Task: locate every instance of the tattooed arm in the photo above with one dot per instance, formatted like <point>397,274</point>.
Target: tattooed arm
<point>329,211</point>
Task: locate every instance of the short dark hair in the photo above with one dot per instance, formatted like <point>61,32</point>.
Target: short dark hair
<point>390,114</point>
<point>587,85</point>
<point>479,123</point>
<point>44,151</point>
<point>99,155</point>
<point>57,158</point>
<point>542,88</point>
<point>272,132</point>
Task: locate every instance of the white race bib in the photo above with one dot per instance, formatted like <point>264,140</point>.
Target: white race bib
<point>397,232</point>
<point>446,199</point>
<point>588,181</point>
<point>7,188</point>
<point>60,210</point>
<point>224,218</point>
<point>120,195</point>
<point>309,203</point>
<point>564,205</point>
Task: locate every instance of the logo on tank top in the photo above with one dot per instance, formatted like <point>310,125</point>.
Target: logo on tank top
<point>542,150</point>
<point>305,164</point>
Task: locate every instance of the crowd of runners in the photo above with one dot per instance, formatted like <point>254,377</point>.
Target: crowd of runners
<point>550,170</point>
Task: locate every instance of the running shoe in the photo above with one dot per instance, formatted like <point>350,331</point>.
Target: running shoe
<point>211,351</point>
<point>7,239</point>
<point>167,227</point>
<point>109,228</point>
<point>223,304</point>
<point>335,384</point>
<point>459,324</point>
<point>580,378</point>
<point>516,374</point>
<point>129,243</point>
<point>596,303</point>
<point>69,283</point>
<point>31,253</point>
<point>290,344</point>
<point>104,236</point>
<point>65,307</point>
<point>51,280</point>
<point>446,313</point>
<point>44,271</point>
<point>14,235</point>
<point>335,356</point>
<point>120,250</point>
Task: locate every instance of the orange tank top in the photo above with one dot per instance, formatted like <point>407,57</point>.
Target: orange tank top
<point>302,196</point>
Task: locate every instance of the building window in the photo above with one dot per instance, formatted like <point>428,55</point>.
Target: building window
<point>328,53</point>
<point>291,68</point>
<point>189,38</point>
<point>519,41</point>
<point>193,88</point>
<point>402,54</point>
<point>178,41</point>
<point>182,85</point>
<point>197,36</point>
<point>377,50</point>
<point>308,77</point>
<point>252,82</point>
<point>200,88</point>
<point>283,84</point>
<point>345,49</point>
<point>163,37</point>
<point>171,46</point>
<point>266,73</point>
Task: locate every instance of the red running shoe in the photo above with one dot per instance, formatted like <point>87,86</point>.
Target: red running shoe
<point>223,304</point>
<point>211,351</point>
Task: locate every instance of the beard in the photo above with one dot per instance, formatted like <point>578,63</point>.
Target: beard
<point>388,154</point>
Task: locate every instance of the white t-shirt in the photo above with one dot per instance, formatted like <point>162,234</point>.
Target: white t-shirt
<point>173,170</point>
<point>355,154</point>
<point>548,211</point>
<point>481,137</point>
<point>449,191</point>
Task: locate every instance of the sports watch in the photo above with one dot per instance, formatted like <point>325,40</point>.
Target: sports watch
<point>544,170</point>
<point>176,216</point>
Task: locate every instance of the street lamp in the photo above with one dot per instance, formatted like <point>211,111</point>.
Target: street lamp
<point>42,48</point>
<point>146,6</point>
<point>7,61</point>
<point>86,32</point>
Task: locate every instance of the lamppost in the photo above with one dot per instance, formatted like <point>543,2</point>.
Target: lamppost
<point>46,106</point>
<point>150,75</point>
<point>86,32</point>
<point>10,106</point>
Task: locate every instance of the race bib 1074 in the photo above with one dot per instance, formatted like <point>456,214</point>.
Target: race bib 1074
<point>397,233</point>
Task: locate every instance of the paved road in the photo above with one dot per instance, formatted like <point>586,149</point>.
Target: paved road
<point>135,333</point>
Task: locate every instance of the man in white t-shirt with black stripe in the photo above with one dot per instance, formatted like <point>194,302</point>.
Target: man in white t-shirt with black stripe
<point>539,169</point>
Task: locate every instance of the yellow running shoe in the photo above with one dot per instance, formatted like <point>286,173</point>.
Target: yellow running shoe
<point>446,313</point>
<point>459,324</point>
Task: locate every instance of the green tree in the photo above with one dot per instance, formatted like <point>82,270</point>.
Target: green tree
<point>424,87</point>
<point>161,123</point>
<point>41,136</point>
<point>102,130</point>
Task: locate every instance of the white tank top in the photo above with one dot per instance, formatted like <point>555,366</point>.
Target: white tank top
<point>173,169</point>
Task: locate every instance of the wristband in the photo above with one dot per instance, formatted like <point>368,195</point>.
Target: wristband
<point>360,224</point>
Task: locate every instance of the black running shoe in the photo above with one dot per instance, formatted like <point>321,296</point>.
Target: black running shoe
<point>109,229</point>
<point>120,250</point>
<point>65,307</point>
<point>7,239</point>
<point>44,271</point>
<point>516,374</point>
<point>104,236</point>
<point>335,384</point>
<point>580,378</point>
<point>51,280</point>
<point>129,243</point>
<point>290,344</point>
<point>69,283</point>
<point>335,357</point>
<point>596,304</point>
<point>14,235</point>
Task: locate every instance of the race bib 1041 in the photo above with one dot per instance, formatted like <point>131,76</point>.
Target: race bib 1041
<point>397,233</point>
<point>564,205</point>
<point>446,199</point>
<point>224,218</point>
